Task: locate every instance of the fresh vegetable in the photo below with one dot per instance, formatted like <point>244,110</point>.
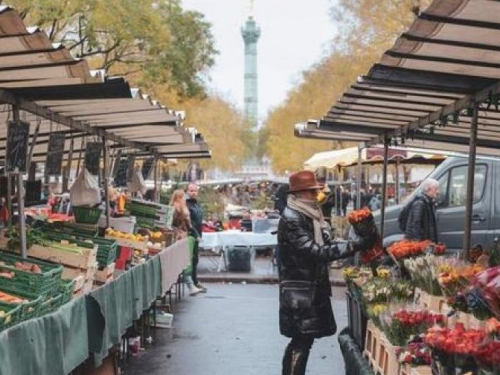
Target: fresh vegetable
<point>9,298</point>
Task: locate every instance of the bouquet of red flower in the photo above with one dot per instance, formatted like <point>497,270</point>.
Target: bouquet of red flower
<point>364,226</point>
<point>415,353</point>
<point>406,248</point>
<point>402,324</point>
<point>456,341</point>
<point>488,356</point>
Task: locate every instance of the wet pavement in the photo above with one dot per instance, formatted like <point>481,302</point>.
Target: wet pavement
<point>233,329</point>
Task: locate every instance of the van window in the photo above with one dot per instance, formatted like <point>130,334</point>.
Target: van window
<point>443,190</point>
<point>457,192</point>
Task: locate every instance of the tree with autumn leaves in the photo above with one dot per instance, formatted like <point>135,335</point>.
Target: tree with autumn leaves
<point>367,29</point>
<point>160,47</point>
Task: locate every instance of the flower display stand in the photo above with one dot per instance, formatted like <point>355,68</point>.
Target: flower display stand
<point>419,370</point>
<point>372,343</point>
<point>387,360</point>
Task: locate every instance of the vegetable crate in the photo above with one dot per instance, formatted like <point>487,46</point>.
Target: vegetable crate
<point>74,256</point>
<point>27,310</point>
<point>10,315</point>
<point>66,289</point>
<point>50,304</point>
<point>22,281</point>
<point>105,274</point>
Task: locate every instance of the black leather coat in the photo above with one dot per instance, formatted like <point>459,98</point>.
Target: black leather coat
<point>421,224</point>
<point>301,258</point>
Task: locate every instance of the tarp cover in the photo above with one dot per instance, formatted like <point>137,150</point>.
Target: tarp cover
<point>52,345</point>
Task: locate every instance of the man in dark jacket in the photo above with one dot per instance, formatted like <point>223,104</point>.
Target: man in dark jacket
<point>421,223</point>
<point>196,215</point>
<point>307,248</point>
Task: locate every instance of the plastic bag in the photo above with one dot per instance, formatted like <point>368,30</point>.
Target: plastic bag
<point>85,190</point>
<point>137,184</point>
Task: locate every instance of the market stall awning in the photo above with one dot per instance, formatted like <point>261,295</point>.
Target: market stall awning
<point>55,92</point>
<point>423,87</point>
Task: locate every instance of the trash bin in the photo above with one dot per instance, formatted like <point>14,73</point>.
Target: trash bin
<point>239,258</point>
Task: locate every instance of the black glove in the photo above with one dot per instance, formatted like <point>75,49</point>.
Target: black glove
<point>327,236</point>
<point>363,243</point>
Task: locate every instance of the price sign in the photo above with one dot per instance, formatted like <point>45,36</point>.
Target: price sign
<point>17,146</point>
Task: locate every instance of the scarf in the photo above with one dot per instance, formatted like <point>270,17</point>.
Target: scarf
<point>311,209</point>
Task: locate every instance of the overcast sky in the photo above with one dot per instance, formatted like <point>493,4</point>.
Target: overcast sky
<point>294,35</point>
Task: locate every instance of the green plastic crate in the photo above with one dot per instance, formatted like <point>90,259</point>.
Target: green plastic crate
<point>27,282</point>
<point>28,309</point>
<point>87,215</point>
<point>66,289</point>
<point>50,304</point>
<point>12,315</point>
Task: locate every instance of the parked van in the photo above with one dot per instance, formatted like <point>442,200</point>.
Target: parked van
<point>452,177</point>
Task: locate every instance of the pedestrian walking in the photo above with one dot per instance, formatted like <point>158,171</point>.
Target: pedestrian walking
<point>418,219</point>
<point>307,247</point>
<point>182,222</point>
<point>196,216</point>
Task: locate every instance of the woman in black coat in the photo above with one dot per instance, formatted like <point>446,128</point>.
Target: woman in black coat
<point>307,248</point>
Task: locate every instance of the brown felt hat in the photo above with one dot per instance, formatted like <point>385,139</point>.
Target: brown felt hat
<point>303,180</point>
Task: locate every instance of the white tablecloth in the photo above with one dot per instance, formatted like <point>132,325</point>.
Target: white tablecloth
<point>174,259</point>
<point>237,238</point>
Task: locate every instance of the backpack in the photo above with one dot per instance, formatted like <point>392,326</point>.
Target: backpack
<point>403,215</point>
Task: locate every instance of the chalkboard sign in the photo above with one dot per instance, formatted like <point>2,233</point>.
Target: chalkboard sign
<point>146,167</point>
<point>33,192</point>
<point>121,173</point>
<point>93,157</point>
<point>17,145</point>
<point>55,153</point>
<point>3,187</point>
<point>130,167</point>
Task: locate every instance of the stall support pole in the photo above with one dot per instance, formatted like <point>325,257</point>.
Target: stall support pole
<point>9,198</point>
<point>67,169</point>
<point>20,197</point>
<point>157,194</point>
<point>470,183</point>
<point>106,180</point>
<point>384,188</point>
<point>359,177</point>
<point>397,184</point>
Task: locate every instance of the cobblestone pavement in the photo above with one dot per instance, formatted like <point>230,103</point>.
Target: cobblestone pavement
<point>233,330</point>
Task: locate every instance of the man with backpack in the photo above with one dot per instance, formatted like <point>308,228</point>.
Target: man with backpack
<point>418,219</point>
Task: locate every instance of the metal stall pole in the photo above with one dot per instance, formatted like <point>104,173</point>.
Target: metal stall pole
<point>9,199</point>
<point>397,190</point>
<point>156,194</point>
<point>67,169</point>
<point>106,181</point>
<point>470,184</point>
<point>384,187</point>
<point>360,175</point>
<point>20,198</point>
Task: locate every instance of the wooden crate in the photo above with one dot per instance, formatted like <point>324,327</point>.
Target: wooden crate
<point>371,343</point>
<point>387,360</point>
<point>88,286</point>
<point>70,273</point>
<point>106,274</point>
<point>427,302</point>
<point>137,245</point>
<point>419,370</point>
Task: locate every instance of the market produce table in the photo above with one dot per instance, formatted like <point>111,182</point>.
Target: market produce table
<point>218,240</point>
<point>57,343</point>
<point>174,259</point>
<point>54,344</point>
